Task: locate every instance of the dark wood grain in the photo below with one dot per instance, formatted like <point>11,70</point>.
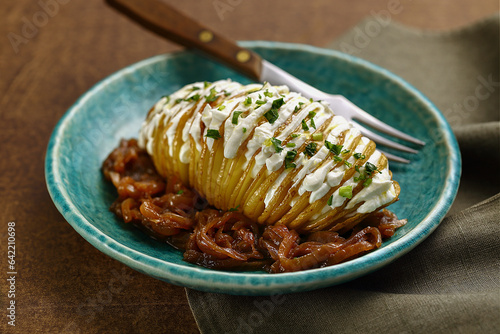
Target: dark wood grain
<point>176,26</point>
<point>64,282</point>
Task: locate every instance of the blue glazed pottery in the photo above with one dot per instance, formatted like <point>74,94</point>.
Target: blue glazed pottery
<point>115,108</point>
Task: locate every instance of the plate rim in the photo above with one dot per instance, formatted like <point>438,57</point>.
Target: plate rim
<point>239,282</point>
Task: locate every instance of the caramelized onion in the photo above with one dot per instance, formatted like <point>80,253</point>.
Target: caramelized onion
<point>226,240</point>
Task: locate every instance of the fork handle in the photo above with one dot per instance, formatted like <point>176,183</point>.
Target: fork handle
<point>166,21</point>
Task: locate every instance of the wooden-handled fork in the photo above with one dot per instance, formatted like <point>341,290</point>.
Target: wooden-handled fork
<point>176,26</point>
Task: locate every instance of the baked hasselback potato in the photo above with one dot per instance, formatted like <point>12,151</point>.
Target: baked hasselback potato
<point>270,153</point>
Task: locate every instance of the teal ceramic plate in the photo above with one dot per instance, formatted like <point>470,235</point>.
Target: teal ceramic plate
<point>116,106</point>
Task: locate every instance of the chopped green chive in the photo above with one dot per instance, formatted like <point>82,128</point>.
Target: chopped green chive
<point>346,191</point>
<point>260,102</point>
<point>312,114</point>
<point>272,115</point>
<point>370,168</point>
<point>195,97</point>
<point>195,88</point>
<point>362,174</point>
<point>330,200</point>
<point>337,158</point>
<point>359,156</point>
<point>312,123</point>
<point>179,100</point>
<point>304,125</point>
<point>290,144</point>
<point>247,102</point>
<point>317,136</point>
<point>345,151</point>
<point>212,97</point>
<point>268,94</point>
<point>214,134</point>
<point>206,84</point>
<point>235,117</point>
<point>167,97</point>
<point>367,183</point>
<point>244,130</point>
<point>335,149</point>
<point>222,107</point>
<point>234,209</point>
<point>311,100</point>
<point>180,192</point>
<point>298,107</point>
<point>277,144</point>
<point>290,156</point>
<point>347,163</point>
<point>226,93</point>
<point>310,149</point>
<point>295,135</point>
<point>278,103</point>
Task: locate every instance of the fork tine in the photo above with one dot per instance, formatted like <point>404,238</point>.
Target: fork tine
<point>385,128</point>
<point>383,141</point>
<point>366,118</point>
<point>396,158</point>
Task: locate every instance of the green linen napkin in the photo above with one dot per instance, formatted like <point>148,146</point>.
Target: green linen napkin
<point>451,282</point>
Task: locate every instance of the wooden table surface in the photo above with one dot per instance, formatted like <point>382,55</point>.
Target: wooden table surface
<point>52,51</point>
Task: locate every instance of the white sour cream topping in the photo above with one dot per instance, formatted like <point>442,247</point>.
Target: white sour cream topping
<point>254,125</point>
